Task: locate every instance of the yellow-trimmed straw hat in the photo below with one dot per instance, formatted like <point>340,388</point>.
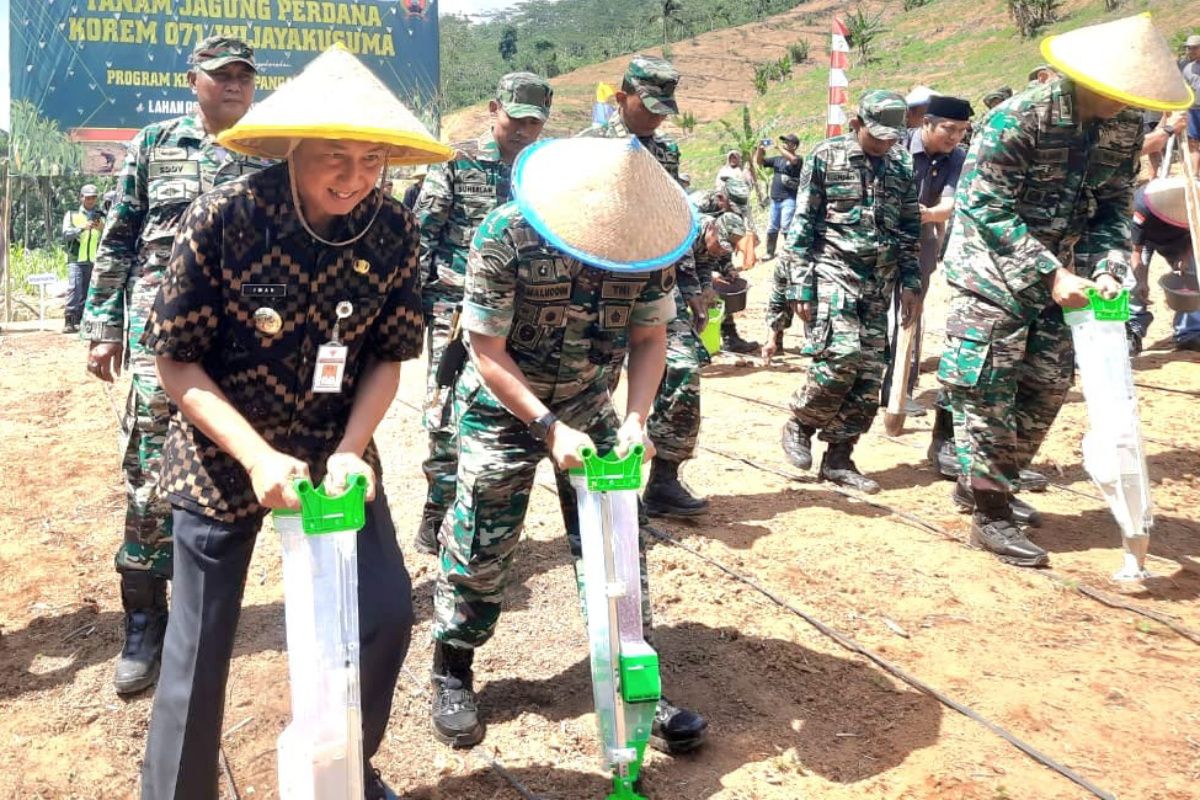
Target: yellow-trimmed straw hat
<point>607,202</point>
<point>334,97</point>
<point>1166,200</point>
<point>1126,59</point>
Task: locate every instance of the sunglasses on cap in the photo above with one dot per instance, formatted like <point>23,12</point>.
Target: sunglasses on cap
<point>532,94</point>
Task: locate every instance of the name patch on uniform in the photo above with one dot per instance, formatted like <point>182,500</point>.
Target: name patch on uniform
<point>548,292</point>
<point>620,290</point>
<point>477,189</point>
<point>172,169</point>
<point>264,290</point>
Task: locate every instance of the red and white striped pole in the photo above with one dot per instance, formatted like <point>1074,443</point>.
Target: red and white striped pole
<point>839,60</point>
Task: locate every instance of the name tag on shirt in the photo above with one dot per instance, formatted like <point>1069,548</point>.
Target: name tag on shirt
<point>330,369</point>
<point>264,290</point>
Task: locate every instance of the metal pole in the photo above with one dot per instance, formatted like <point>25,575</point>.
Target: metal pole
<point>5,220</point>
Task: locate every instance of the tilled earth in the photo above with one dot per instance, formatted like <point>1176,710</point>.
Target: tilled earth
<point>1105,692</point>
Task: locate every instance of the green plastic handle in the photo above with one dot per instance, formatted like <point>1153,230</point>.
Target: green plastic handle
<point>609,473</point>
<point>1115,310</point>
<point>320,513</point>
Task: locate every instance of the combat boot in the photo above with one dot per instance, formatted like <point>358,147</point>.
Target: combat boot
<point>772,238</point>
<point>1022,512</point>
<point>426,540</point>
<point>676,730</point>
<point>732,341</point>
<point>455,714</point>
<point>941,447</point>
<point>144,597</point>
<point>837,467</point>
<point>665,496</point>
<point>993,529</point>
<point>797,443</point>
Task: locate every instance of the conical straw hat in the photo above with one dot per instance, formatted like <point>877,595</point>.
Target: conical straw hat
<point>1165,198</point>
<point>607,202</point>
<point>335,97</point>
<point>1126,60</point>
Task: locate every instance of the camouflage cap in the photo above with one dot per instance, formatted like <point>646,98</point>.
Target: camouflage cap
<point>217,51</point>
<point>654,80</point>
<point>730,228</point>
<point>88,190</point>
<point>883,113</point>
<point>737,190</point>
<point>524,94</point>
<point>997,96</point>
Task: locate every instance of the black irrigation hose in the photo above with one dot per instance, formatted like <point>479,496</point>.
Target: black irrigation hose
<point>918,522</point>
<point>853,646</point>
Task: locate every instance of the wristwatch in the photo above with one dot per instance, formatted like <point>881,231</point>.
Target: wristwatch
<point>540,427</point>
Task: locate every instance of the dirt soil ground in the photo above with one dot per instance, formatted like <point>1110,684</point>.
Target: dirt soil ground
<point>1104,691</point>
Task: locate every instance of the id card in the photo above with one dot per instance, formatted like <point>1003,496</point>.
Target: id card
<point>330,367</point>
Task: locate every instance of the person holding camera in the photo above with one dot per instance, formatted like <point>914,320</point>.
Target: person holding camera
<point>81,229</point>
<point>786,167</point>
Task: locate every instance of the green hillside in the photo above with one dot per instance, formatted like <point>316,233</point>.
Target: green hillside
<point>960,47</point>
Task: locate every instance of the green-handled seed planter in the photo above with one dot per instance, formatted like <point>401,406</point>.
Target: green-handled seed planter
<point>320,752</point>
<point>625,677</point>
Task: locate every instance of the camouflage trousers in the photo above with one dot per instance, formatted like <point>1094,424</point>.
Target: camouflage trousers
<point>442,464</point>
<point>779,310</point>
<point>148,542</point>
<point>479,538</point>
<point>849,347</point>
<point>674,424</point>
<point>1005,379</point>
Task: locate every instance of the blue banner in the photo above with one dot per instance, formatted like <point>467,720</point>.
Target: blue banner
<point>123,63</point>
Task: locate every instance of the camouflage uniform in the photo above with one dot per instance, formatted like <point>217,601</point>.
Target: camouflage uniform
<point>455,198</point>
<point>854,235</point>
<point>519,287</point>
<point>1039,191</point>
<point>168,164</point>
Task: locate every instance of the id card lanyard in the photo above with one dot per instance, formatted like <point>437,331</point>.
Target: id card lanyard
<point>331,356</point>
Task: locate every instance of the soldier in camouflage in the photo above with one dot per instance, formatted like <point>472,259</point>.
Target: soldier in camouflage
<point>1041,218</point>
<point>455,198</point>
<point>545,328</point>
<point>854,236</point>
<point>731,195</point>
<point>646,99</point>
<point>168,165</point>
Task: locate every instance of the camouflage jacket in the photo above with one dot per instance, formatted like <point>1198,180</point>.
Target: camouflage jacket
<point>565,322</point>
<point>455,198</point>
<point>167,166</point>
<point>853,219</point>
<point>666,152</point>
<point>1039,191</point>
<point>705,264</point>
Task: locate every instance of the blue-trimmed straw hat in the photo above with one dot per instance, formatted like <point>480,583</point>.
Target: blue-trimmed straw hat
<point>607,202</point>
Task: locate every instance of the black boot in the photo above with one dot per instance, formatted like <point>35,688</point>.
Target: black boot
<point>144,597</point>
<point>676,730</point>
<point>731,340</point>
<point>1022,512</point>
<point>797,443</point>
<point>837,467</point>
<point>941,448</point>
<point>665,496</point>
<point>772,238</point>
<point>455,715</point>
<point>993,529</point>
<point>426,540</point>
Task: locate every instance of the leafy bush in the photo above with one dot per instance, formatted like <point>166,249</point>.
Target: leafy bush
<point>864,28</point>
<point>762,76</point>
<point>798,51</point>
<point>1030,16</point>
<point>909,5</point>
<point>687,121</point>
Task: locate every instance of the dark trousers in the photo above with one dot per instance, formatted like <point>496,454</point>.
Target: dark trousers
<point>79,275</point>
<point>211,560</point>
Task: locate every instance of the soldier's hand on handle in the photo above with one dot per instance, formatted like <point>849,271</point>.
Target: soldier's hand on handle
<point>802,309</point>
<point>910,307</point>
<point>632,433</point>
<point>565,443</point>
<point>104,360</point>
<point>1070,290</point>
<point>699,306</point>
<point>341,466</point>
<point>272,475</point>
<point>1108,286</point>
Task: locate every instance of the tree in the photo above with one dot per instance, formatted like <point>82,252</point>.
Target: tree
<point>669,13</point>
<point>745,139</point>
<point>508,44</point>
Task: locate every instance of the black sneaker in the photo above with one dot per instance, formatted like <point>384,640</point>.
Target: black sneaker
<point>1004,538</point>
<point>1022,512</point>
<point>455,713</point>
